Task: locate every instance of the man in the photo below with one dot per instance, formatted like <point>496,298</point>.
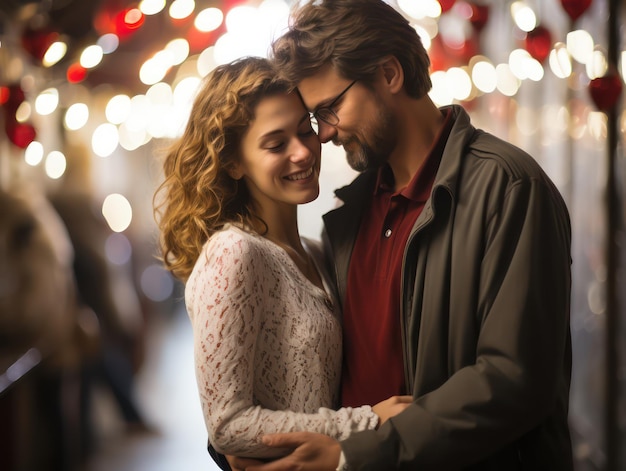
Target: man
<point>452,258</point>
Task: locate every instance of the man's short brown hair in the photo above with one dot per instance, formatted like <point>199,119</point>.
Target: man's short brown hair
<point>354,37</point>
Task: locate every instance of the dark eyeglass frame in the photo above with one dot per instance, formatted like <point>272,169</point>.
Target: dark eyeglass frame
<point>326,114</point>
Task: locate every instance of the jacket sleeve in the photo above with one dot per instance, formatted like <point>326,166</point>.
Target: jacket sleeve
<point>519,373</point>
<point>227,296</point>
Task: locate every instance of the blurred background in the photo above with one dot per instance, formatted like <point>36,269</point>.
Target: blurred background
<point>96,367</point>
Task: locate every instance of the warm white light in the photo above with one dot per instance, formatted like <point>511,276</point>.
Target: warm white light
<point>104,140</point>
<point>185,91</point>
<point>535,70</point>
<point>484,76</point>
<point>55,164</point>
<point>117,211</point>
<point>440,93</point>
<point>54,54</point>
<point>76,116</point>
<point>507,84</point>
<point>209,19</point>
<point>459,83</point>
<point>180,9</point>
<point>23,112</point>
<point>206,61</point>
<point>517,62</point>
<point>132,139</point>
<point>159,94</point>
<point>424,36</point>
<point>153,70</point>
<point>560,61</point>
<point>140,113</point>
<point>597,124</point>
<point>420,9</point>
<point>272,21</point>
<point>33,155</point>
<point>151,7</point>
<point>241,19</point>
<point>580,45</point>
<point>523,16</point>
<point>179,50</point>
<point>117,109</point>
<point>597,65</point>
<point>47,101</point>
<point>91,56</point>
<point>228,47</point>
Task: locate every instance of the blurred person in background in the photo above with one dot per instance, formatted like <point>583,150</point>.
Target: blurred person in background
<point>40,352</point>
<point>116,354</point>
<point>267,338</point>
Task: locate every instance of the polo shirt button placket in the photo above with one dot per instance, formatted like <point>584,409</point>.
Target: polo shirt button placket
<point>388,233</point>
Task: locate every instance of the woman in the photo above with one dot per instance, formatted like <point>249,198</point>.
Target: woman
<point>267,342</point>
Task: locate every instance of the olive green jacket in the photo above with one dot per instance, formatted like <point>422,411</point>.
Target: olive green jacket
<point>485,315</point>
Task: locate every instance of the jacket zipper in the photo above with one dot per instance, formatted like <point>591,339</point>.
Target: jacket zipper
<point>409,376</point>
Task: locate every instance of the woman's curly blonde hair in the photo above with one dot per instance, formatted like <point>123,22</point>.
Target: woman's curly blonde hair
<point>198,195</point>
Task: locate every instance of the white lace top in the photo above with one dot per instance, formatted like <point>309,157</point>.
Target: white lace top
<point>267,346</point>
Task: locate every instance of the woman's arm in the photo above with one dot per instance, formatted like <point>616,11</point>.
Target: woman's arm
<point>227,297</point>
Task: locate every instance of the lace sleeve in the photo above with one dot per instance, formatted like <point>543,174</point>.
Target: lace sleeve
<point>228,297</point>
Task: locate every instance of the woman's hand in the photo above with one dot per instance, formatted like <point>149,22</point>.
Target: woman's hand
<point>390,407</point>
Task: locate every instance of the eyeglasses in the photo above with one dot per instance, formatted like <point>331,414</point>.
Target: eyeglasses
<point>326,113</point>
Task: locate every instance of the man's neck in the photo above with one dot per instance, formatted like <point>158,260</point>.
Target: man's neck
<point>420,123</point>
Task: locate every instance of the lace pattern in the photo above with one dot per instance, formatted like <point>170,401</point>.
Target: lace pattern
<point>267,347</point>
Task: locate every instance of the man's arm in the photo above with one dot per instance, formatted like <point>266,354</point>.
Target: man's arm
<point>311,452</point>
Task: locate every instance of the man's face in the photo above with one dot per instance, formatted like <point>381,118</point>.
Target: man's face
<point>366,125</point>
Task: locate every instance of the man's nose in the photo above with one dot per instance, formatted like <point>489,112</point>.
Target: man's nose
<point>325,131</point>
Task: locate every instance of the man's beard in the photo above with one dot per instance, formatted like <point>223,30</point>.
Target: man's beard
<point>373,153</point>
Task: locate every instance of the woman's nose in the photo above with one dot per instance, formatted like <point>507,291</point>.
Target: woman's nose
<point>300,151</point>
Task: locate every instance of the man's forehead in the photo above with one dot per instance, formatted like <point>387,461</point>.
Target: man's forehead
<point>319,87</point>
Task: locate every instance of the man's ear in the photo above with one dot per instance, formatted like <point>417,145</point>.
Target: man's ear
<point>393,74</point>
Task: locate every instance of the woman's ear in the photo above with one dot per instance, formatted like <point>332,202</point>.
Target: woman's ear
<point>393,74</point>
<point>235,172</point>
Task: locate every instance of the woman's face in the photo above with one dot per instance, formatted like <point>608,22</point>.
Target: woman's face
<point>280,153</point>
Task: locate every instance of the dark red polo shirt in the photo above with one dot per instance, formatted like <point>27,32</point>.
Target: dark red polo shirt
<point>373,360</point>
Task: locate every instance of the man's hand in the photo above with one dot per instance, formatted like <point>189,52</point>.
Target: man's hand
<point>390,407</point>
<point>312,452</point>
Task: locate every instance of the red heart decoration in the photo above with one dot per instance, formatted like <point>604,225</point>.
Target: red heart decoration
<point>606,90</point>
<point>575,8</point>
<point>20,134</point>
<point>14,98</point>
<point>479,17</point>
<point>446,5</point>
<point>538,43</point>
<point>37,41</point>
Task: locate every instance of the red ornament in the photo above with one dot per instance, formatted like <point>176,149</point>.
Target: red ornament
<point>128,21</point>
<point>446,5</point>
<point>538,43</point>
<point>230,4</point>
<point>4,95</point>
<point>606,90</point>
<point>575,8</point>
<point>15,97</point>
<point>479,16</point>
<point>20,134</point>
<point>76,73</point>
<point>37,41</point>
